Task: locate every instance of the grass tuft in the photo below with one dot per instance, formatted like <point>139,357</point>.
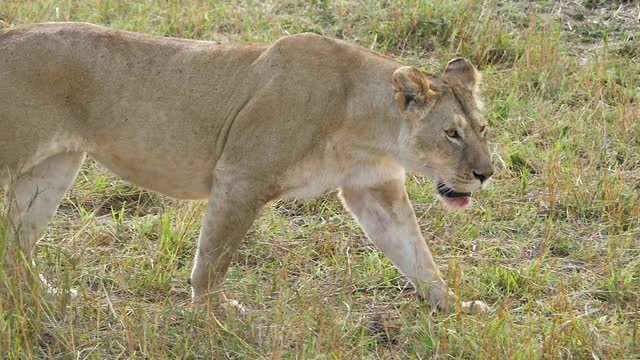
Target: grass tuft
<point>553,245</point>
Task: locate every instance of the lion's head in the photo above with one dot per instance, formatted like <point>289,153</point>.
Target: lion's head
<point>443,134</point>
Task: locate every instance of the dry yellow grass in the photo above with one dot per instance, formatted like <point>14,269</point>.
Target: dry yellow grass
<point>553,246</point>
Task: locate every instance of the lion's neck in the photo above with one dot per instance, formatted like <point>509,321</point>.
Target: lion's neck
<point>375,122</point>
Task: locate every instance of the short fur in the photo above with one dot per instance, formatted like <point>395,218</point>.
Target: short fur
<point>239,125</point>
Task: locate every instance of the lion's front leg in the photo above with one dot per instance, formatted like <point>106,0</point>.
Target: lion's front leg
<point>232,208</point>
<point>387,217</point>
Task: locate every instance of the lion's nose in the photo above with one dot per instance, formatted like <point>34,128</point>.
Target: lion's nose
<point>483,175</point>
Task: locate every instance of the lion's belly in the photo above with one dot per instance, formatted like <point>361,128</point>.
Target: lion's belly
<point>181,180</point>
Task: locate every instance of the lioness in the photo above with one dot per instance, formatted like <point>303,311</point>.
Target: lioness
<point>239,125</point>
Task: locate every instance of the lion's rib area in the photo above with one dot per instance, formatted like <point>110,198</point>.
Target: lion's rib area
<point>163,112</point>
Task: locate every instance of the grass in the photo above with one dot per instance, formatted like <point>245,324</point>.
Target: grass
<point>553,246</point>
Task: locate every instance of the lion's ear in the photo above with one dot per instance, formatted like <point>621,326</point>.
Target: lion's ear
<point>411,88</point>
<point>464,73</point>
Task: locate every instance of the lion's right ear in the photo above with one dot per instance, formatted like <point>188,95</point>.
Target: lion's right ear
<point>463,71</point>
<point>411,88</point>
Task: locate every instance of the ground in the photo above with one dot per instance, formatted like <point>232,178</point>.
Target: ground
<point>553,245</point>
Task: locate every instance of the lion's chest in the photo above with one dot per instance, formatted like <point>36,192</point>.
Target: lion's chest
<point>309,184</point>
<point>309,180</point>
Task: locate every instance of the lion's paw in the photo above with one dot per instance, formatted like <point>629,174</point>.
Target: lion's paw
<point>235,306</point>
<point>51,290</point>
<point>475,307</point>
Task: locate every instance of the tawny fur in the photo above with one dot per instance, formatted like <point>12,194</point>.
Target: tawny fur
<point>238,124</point>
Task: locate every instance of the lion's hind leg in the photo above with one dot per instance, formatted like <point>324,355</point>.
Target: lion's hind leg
<point>31,200</point>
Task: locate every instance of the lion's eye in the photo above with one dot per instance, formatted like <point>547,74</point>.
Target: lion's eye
<point>483,129</point>
<point>452,134</point>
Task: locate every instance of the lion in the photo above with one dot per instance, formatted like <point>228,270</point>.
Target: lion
<point>240,125</point>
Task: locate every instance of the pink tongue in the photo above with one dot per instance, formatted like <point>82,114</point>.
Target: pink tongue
<point>459,202</point>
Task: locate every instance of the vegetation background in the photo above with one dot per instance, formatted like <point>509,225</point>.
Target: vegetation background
<point>553,246</point>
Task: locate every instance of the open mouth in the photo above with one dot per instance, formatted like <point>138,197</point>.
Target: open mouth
<point>454,199</point>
